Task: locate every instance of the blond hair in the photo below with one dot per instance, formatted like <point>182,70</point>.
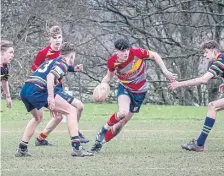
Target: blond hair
<point>55,30</point>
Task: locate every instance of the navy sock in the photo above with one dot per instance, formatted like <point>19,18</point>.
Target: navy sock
<point>209,122</point>
<point>23,145</point>
<point>75,142</point>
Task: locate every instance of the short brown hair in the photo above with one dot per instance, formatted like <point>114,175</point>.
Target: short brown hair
<point>211,44</point>
<point>55,30</point>
<point>5,44</point>
<point>67,48</point>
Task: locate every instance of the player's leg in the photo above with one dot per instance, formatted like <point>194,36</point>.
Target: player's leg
<point>79,107</point>
<point>123,105</point>
<point>29,94</point>
<point>128,105</point>
<point>107,132</point>
<point>28,133</point>
<point>63,106</point>
<point>116,128</point>
<point>51,125</point>
<point>198,145</point>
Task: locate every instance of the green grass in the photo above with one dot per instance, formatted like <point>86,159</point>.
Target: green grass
<point>148,145</point>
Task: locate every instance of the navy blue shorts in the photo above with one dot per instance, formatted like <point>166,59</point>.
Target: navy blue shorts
<point>63,94</point>
<point>136,98</point>
<point>34,97</point>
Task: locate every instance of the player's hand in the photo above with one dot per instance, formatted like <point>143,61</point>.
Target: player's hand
<point>174,85</point>
<point>51,102</point>
<point>9,102</point>
<point>221,88</point>
<point>79,67</point>
<point>171,76</point>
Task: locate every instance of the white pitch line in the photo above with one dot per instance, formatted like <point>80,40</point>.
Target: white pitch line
<point>63,131</point>
<point>126,168</point>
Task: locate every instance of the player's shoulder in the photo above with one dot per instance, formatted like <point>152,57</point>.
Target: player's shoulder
<point>112,59</point>
<point>45,49</point>
<point>220,58</point>
<point>137,50</point>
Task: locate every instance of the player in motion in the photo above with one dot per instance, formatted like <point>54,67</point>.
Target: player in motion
<point>130,68</point>
<point>212,53</point>
<point>50,52</point>
<point>7,54</point>
<point>38,91</point>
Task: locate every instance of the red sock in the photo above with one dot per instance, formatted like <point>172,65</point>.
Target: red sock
<point>42,136</point>
<point>113,120</point>
<point>109,135</point>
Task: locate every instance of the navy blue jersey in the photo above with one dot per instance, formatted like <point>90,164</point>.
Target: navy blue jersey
<point>217,67</point>
<point>4,73</point>
<point>55,66</point>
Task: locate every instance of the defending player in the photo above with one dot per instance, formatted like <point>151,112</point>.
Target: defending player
<point>212,53</point>
<point>7,54</point>
<point>38,91</point>
<point>130,68</point>
<point>50,52</point>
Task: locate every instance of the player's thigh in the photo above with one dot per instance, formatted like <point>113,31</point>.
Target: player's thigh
<point>77,104</point>
<point>123,99</point>
<point>218,104</point>
<point>63,106</point>
<point>124,103</point>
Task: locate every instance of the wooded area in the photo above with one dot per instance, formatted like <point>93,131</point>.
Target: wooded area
<point>173,28</point>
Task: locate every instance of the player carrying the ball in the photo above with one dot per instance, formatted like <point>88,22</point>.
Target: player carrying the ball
<point>129,65</point>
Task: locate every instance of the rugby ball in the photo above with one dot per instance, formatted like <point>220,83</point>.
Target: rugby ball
<point>101,92</point>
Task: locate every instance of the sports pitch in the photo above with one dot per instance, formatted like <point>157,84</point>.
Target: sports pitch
<point>148,145</point>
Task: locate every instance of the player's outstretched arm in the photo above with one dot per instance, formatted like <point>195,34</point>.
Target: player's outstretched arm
<point>192,82</point>
<point>159,61</point>
<point>109,76</point>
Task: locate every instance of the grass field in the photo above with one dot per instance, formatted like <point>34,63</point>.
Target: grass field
<point>149,144</point>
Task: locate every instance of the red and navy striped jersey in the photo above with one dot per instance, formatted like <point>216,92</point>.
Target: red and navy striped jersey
<point>131,73</point>
<point>55,66</point>
<point>217,67</point>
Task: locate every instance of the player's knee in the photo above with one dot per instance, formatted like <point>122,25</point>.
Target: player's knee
<point>80,106</point>
<point>59,118</point>
<point>211,106</point>
<point>122,114</point>
<point>38,118</point>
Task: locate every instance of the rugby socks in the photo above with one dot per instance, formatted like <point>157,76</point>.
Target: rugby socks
<point>108,136</point>
<point>42,136</point>
<point>209,122</point>
<point>23,145</point>
<point>75,142</point>
<point>112,120</point>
